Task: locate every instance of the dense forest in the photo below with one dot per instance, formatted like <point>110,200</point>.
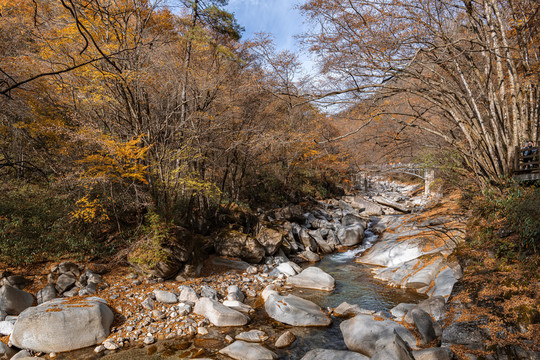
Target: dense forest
<point>113,110</point>
<point>119,114</point>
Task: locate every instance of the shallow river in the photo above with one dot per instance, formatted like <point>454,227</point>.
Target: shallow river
<point>354,284</point>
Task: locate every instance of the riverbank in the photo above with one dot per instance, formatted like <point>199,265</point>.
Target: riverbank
<point>146,326</point>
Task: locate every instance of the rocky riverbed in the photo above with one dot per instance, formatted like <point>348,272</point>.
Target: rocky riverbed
<point>265,295</point>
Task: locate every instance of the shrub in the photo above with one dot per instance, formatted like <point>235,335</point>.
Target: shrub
<point>35,225</point>
<point>148,251</point>
<point>511,209</point>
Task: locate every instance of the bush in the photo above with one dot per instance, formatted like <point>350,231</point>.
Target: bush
<point>511,209</point>
<point>148,251</point>
<point>36,225</point>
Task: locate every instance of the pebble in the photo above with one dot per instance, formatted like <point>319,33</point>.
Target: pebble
<point>149,339</point>
<point>110,345</point>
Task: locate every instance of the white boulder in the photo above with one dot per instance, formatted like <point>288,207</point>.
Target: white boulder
<point>219,314</point>
<point>313,278</point>
<point>59,325</point>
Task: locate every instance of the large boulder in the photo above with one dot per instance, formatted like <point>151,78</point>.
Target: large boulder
<point>424,324</point>
<point>434,306</point>
<point>467,333</point>
<point>349,310</point>
<point>219,314</point>
<point>242,350</point>
<point>351,235</point>
<point>13,301</point>
<point>270,239</point>
<point>425,275</point>
<point>293,213</point>
<point>65,282</point>
<point>368,208</point>
<point>236,244</point>
<point>59,325</point>
<point>394,251</point>
<point>443,283</point>
<point>307,241</point>
<point>362,332</point>
<point>174,252</point>
<point>401,310</point>
<point>392,348</point>
<point>324,354</point>
<point>295,311</point>
<point>46,294</point>
<point>397,275</point>
<point>352,219</point>
<point>312,278</point>
<point>321,243</point>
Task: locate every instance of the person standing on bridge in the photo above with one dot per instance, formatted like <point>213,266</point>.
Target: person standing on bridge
<point>528,150</point>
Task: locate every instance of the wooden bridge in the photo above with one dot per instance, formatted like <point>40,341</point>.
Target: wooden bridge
<point>527,167</point>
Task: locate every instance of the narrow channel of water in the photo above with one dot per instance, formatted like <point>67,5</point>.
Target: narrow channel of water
<point>355,285</point>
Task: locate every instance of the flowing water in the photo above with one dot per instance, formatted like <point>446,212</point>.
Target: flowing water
<point>354,284</point>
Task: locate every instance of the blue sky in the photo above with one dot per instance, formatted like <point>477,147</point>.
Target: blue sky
<point>278,17</point>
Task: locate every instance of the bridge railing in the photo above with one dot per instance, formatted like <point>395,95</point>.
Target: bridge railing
<point>527,160</point>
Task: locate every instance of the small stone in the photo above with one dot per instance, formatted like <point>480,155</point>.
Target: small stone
<point>132,276</point>
<point>202,331</point>
<point>165,297</point>
<point>71,293</point>
<point>183,309</point>
<point>156,314</point>
<point>209,292</point>
<point>110,345</point>
<point>148,340</point>
<point>285,339</point>
<point>229,339</point>
<point>52,355</point>
<point>253,336</point>
<point>148,304</point>
<point>251,270</point>
<point>65,282</point>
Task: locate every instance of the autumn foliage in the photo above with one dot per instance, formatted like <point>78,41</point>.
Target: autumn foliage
<point>121,108</point>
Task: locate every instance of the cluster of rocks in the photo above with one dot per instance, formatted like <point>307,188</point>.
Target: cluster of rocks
<point>177,311</point>
<point>55,324</point>
<point>302,235</point>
